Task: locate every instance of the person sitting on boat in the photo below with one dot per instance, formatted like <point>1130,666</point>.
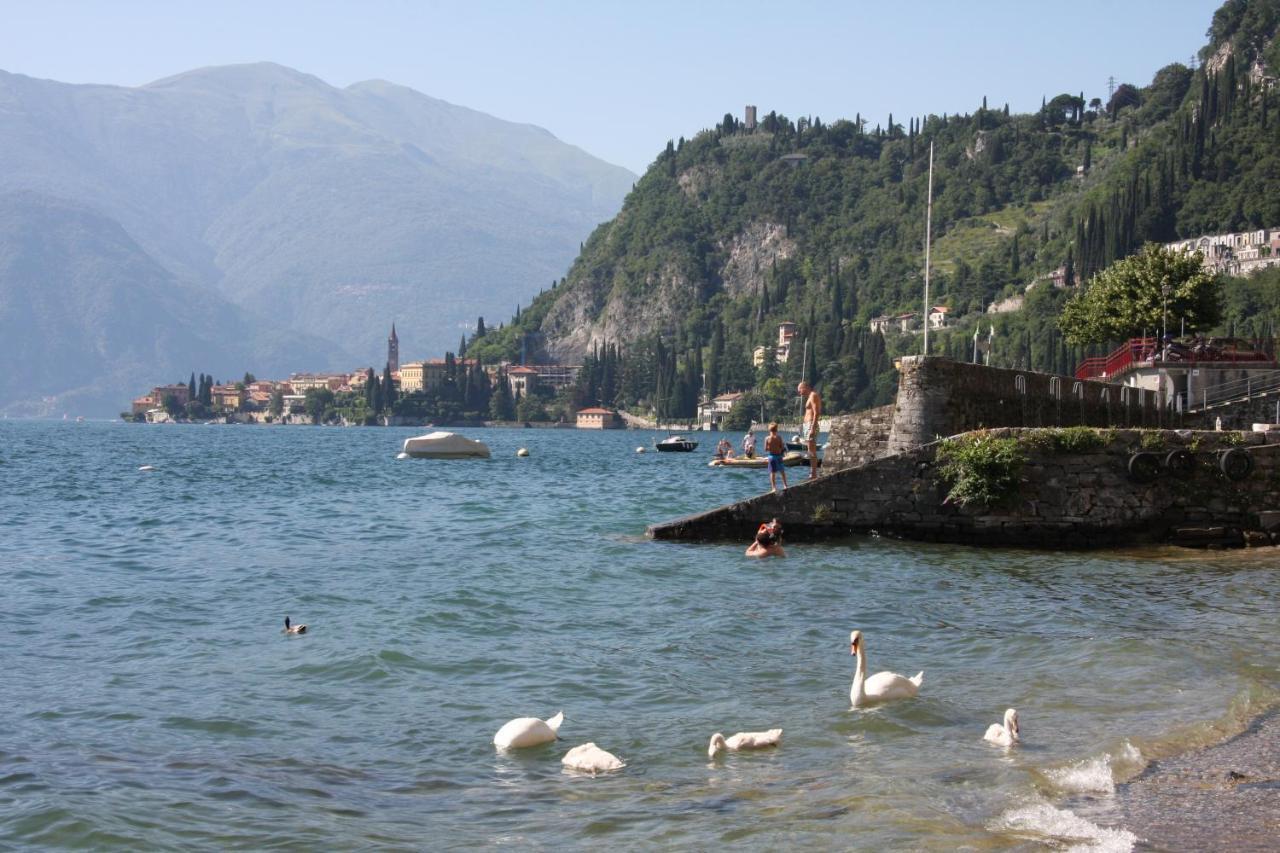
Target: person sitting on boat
<point>724,450</point>
<point>775,447</point>
<point>749,445</point>
<point>768,541</point>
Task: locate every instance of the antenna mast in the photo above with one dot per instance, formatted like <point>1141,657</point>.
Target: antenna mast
<point>928,234</point>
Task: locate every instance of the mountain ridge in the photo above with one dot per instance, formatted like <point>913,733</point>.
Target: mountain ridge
<point>332,211</point>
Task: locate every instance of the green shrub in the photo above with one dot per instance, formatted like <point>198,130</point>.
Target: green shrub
<point>1151,439</point>
<point>1077,439</point>
<point>980,468</point>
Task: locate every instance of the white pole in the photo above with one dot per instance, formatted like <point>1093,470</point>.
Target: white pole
<point>928,233</point>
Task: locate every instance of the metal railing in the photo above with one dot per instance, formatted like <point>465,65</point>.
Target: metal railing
<point>1237,389</point>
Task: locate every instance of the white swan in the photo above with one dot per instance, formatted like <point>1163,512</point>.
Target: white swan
<point>881,687</point>
<point>590,758</point>
<point>527,731</point>
<point>744,740</point>
<point>1006,735</point>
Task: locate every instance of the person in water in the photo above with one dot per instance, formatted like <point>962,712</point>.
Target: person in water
<point>749,445</point>
<point>774,448</point>
<point>812,412</point>
<point>768,541</point>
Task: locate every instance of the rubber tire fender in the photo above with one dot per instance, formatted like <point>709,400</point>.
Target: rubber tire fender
<point>1144,467</point>
<point>1235,463</point>
<point>1180,462</point>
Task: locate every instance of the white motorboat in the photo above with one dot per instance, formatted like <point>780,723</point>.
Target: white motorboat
<point>445,445</point>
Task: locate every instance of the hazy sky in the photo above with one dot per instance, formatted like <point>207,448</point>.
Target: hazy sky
<point>619,79</point>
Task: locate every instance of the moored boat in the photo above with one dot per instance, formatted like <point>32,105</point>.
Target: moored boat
<point>790,460</point>
<point>676,444</point>
<point>445,445</point>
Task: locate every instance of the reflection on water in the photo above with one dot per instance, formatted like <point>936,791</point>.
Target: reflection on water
<point>152,700</point>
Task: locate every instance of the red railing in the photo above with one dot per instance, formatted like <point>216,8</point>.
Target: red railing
<point>1145,351</point>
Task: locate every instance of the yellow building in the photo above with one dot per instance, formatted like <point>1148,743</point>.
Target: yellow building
<point>411,377</point>
<point>599,419</point>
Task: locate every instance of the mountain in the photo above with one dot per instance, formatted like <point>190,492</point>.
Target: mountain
<point>87,318</point>
<point>740,228</point>
<point>321,213</point>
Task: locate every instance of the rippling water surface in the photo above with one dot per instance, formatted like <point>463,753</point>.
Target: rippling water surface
<point>149,699</point>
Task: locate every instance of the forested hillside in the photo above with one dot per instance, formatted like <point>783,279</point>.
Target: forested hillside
<point>737,229</point>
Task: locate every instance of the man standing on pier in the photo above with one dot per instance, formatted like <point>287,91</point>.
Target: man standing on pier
<point>812,411</point>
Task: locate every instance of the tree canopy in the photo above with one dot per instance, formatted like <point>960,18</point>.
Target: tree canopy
<point>1140,294</point>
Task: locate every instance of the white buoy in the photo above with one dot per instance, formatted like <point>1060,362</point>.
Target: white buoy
<point>639,450</point>
<point>524,451</point>
<point>146,467</point>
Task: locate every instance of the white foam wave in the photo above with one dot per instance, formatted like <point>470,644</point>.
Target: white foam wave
<point>1096,775</point>
<point>1051,825</point>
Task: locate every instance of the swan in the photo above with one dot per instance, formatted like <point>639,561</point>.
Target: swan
<point>527,731</point>
<point>1006,735</point>
<point>293,629</point>
<point>881,687</point>
<point>590,758</point>
<point>744,740</point>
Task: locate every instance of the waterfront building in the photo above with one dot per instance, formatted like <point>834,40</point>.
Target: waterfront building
<point>711,412</point>
<point>521,380</point>
<point>226,398</point>
<point>597,418</point>
<point>411,377</point>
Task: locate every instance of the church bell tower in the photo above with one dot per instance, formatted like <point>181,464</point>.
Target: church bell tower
<point>393,350</point>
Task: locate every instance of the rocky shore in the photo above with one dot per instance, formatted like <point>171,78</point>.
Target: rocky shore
<point>1222,797</point>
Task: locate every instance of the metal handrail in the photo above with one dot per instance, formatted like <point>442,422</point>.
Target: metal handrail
<point>1237,389</point>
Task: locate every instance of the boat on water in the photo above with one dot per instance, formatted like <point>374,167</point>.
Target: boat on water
<point>675,444</point>
<point>445,445</point>
<point>790,459</point>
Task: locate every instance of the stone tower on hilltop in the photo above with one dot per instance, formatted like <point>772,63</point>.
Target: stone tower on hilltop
<point>393,350</point>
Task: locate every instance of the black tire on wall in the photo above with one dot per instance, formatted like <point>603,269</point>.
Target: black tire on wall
<point>1180,462</point>
<point>1144,467</point>
<point>1236,463</point>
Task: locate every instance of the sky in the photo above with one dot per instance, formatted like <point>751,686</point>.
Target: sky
<point>620,79</point>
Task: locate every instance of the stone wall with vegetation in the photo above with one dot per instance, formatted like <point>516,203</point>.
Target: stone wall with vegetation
<point>1055,488</point>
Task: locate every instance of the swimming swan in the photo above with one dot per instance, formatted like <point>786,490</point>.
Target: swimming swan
<point>744,740</point>
<point>590,758</point>
<point>1006,735</point>
<point>527,731</point>
<point>293,629</point>
<point>881,687</point>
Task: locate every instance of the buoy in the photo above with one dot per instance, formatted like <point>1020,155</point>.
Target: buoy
<point>639,450</point>
<point>524,451</point>
<point>146,468</point>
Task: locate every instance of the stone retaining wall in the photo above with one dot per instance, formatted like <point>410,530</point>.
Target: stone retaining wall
<point>1065,500</point>
<point>938,397</point>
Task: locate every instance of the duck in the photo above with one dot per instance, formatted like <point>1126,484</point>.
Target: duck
<point>293,629</point>
<point>881,687</point>
<point>528,731</point>
<point>744,740</point>
<point>1004,735</point>
<point>590,758</point>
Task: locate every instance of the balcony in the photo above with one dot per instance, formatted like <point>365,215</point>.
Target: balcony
<point>1146,352</point>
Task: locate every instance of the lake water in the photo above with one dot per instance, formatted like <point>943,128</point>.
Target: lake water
<point>148,698</point>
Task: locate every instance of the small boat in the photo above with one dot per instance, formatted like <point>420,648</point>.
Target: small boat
<point>790,459</point>
<point>445,445</point>
<point>676,444</point>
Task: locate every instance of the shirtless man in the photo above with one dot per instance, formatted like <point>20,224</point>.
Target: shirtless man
<point>812,412</point>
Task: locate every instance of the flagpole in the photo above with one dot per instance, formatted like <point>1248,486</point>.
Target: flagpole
<point>928,234</point>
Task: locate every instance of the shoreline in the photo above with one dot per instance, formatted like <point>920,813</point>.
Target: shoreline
<point>1222,796</point>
